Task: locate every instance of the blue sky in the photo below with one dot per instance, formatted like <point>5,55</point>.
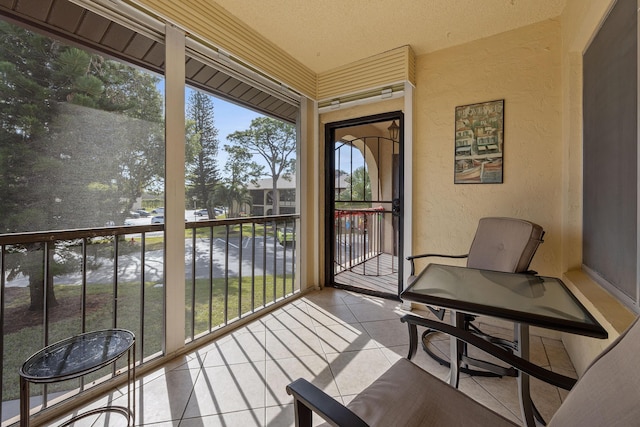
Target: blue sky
<point>230,117</point>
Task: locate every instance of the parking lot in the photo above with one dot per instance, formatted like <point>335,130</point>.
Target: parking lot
<point>158,217</point>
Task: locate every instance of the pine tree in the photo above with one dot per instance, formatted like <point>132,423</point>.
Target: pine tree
<point>202,171</point>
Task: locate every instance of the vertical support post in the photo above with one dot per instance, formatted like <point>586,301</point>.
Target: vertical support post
<point>174,191</point>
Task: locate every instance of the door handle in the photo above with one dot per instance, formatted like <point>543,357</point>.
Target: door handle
<point>395,207</point>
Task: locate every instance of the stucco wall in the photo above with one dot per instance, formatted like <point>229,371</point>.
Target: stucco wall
<point>523,67</point>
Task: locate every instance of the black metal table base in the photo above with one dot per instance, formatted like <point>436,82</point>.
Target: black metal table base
<point>488,369</point>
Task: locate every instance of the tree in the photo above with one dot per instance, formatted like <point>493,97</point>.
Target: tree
<point>80,136</point>
<point>358,193</point>
<point>202,174</point>
<point>233,191</point>
<point>273,141</point>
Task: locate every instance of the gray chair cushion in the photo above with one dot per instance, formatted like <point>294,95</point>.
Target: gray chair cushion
<point>406,395</point>
<point>504,244</point>
<point>608,393</point>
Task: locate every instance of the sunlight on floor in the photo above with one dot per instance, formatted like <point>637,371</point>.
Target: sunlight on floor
<point>340,341</point>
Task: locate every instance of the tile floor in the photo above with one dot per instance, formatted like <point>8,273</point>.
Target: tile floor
<point>338,340</point>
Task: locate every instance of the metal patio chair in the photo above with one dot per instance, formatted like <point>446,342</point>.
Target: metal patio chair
<point>500,244</point>
<point>406,395</point>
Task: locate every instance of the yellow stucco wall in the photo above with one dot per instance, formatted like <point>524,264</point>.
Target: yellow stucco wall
<point>537,70</point>
<point>523,67</point>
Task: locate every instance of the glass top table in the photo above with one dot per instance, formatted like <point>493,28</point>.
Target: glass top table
<point>77,356</point>
<point>523,298</point>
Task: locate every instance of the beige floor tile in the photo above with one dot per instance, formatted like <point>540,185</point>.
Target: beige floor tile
<point>546,398</point>
<point>241,347</point>
<point>330,315</point>
<point>349,297</point>
<point>338,340</point>
<point>344,337</point>
<point>222,389</point>
<point>371,310</point>
<point>165,398</point>
<point>355,370</point>
<point>280,416</point>
<point>421,359</point>
<point>292,318</point>
<point>472,389</point>
<point>283,416</point>
<point>388,333</point>
<point>281,372</point>
<point>163,424</point>
<point>106,419</point>
<point>537,352</point>
<point>188,361</point>
<point>248,418</point>
<point>288,343</point>
<point>558,357</point>
<point>504,390</point>
<point>327,297</point>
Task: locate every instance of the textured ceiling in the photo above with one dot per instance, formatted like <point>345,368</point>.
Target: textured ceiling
<point>325,34</point>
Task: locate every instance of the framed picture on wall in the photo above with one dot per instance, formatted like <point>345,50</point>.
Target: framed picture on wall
<point>479,143</point>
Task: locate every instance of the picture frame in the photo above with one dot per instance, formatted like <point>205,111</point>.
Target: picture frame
<point>479,143</point>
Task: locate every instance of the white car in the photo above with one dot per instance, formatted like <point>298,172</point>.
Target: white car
<point>158,219</point>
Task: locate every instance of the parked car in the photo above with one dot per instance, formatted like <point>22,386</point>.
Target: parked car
<point>201,212</point>
<point>158,211</point>
<point>286,236</point>
<point>143,213</point>
<point>158,219</point>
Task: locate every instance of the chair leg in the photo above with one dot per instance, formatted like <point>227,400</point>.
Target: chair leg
<point>303,414</point>
<point>413,340</point>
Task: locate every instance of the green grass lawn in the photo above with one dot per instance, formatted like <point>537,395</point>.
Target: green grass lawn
<point>240,300</point>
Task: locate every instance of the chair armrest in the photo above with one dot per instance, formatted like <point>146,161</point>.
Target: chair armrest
<point>519,363</point>
<point>413,257</point>
<point>308,398</point>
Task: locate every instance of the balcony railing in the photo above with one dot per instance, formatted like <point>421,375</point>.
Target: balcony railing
<point>57,284</point>
<point>239,266</point>
<point>360,237</point>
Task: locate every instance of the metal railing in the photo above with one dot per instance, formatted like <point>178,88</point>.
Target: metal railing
<point>238,267</point>
<point>62,283</point>
<point>360,237</point>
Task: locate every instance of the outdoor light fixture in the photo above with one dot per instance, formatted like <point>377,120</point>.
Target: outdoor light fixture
<point>394,131</point>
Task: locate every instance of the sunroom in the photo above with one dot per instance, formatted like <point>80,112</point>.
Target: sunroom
<point>363,98</point>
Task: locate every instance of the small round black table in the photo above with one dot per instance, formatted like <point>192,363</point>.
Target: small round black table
<point>77,356</point>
